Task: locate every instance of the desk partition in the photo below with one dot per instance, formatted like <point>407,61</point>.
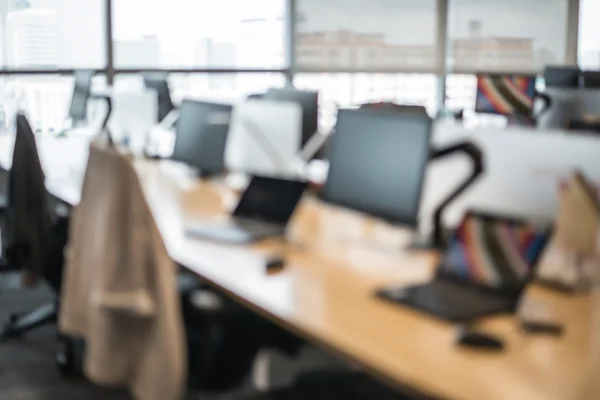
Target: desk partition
<point>523,169</point>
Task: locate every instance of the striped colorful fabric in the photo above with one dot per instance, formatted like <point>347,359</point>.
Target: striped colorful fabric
<point>493,252</point>
<point>505,95</point>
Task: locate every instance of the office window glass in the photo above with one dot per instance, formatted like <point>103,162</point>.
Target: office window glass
<point>230,87</point>
<point>45,99</point>
<point>40,34</point>
<point>199,33</point>
<point>589,34</point>
<point>507,35</point>
<point>355,35</point>
<point>351,90</point>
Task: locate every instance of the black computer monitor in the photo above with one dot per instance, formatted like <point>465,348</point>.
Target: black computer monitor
<point>309,101</point>
<point>159,83</point>
<point>81,94</point>
<point>202,135</point>
<point>591,79</point>
<point>377,162</point>
<point>562,77</point>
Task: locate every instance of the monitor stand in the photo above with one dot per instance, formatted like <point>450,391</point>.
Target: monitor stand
<point>436,240</point>
<point>428,242</point>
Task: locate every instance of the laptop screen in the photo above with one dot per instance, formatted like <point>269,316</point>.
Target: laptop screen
<point>270,199</point>
<point>495,252</point>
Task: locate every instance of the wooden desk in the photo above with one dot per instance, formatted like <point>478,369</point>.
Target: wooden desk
<point>334,261</point>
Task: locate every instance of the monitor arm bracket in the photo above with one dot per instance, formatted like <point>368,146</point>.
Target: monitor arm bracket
<point>437,239</point>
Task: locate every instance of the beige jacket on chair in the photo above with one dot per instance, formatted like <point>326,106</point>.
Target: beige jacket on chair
<point>120,285</point>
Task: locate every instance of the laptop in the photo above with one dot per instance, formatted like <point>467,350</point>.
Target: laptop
<point>487,264</point>
<point>264,211</point>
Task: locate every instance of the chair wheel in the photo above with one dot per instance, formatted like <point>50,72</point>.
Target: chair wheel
<point>65,362</point>
<point>8,332</point>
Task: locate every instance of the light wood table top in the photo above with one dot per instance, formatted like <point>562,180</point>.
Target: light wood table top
<point>335,259</point>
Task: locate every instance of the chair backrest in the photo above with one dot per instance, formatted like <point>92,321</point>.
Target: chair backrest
<point>418,110</point>
<point>81,94</point>
<point>159,83</point>
<point>29,218</point>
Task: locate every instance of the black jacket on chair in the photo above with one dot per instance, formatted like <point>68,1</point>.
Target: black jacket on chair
<point>28,232</point>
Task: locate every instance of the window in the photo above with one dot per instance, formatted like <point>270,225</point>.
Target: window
<point>589,34</point>
<point>216,87</point>
<point>199,33</point>
<point>44,98</point>
<point>507,35</point>
<point>350,90</point>
<point>52,34</point>
<point>400,28</point>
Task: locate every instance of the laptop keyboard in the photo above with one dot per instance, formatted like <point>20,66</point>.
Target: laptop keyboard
<point>255,227</point>
<point>446,298</point>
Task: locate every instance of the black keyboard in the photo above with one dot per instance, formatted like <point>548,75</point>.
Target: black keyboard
<point>451,300</point>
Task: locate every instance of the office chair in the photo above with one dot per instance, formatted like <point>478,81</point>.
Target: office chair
<point>329,385</point>
<point>81,94</point>
<point>383,105</point>
<point>159,83</point>
<point>35,240</point>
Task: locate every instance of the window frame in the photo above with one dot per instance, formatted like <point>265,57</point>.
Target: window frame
<point>289,70</point>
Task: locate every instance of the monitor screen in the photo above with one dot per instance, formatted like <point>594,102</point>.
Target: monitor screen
<point>494,252</point>
<point>201,135</point>
<point>165,105</point>
<point>309,101</point>
<point>270,199</point>
<point>591,79</point>
<point>377,163</point>
<point>562,77</point>
<point>505,94</point>
<point>81,94</point>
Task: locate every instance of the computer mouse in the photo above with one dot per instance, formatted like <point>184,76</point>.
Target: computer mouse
<point>477,339</point>
<point>274,262</point>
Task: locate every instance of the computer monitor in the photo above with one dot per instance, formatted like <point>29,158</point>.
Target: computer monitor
<point>264,138</point>
<point>159,83</point>
<point>309,101</point>
<point>377,161</point>
<point>201,135</point>
<point>81,94</point>
<point>505,94</point>
<point>591,79</point>
<point>562,77</point>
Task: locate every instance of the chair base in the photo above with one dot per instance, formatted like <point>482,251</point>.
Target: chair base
<point>22,323</point>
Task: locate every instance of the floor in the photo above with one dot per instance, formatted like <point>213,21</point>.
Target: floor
<point>27,366</point>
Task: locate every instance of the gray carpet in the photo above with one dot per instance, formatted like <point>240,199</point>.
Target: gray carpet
<point>27,365</point>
